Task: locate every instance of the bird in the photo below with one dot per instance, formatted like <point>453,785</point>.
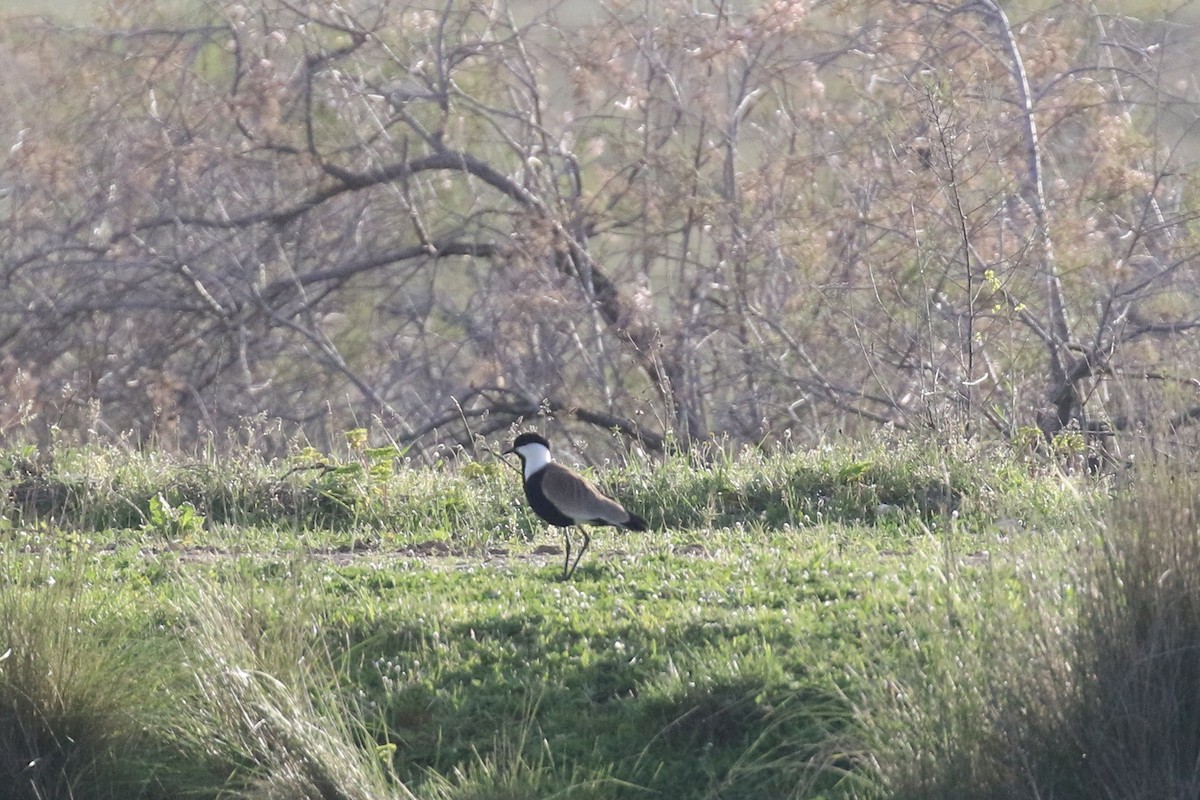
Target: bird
<point>564,498</point>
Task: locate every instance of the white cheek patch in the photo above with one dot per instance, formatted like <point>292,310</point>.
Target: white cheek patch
<point>536,457</point>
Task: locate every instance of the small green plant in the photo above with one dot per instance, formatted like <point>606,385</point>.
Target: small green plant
<point>1069,442</point>
<point>347,491</point>
<point>180,522</point>
<point>854,471</point>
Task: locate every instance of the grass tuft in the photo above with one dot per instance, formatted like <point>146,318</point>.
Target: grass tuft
<point>76,694</point>
<point>1073,680</point>
<point>266,700</point>
<point>1129,722</point>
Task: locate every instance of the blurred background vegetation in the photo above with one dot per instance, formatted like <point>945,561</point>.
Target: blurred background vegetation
<point>675,221</point>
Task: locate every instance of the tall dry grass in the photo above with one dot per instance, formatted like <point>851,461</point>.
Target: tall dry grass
<point>1074,680</point>
<point>76,694</point>
<point>267,700</point>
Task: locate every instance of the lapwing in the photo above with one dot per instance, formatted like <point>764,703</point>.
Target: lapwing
<point>564,498</point>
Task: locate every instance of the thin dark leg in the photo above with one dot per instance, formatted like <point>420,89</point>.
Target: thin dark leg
<point>587,539</point>
<point>567,559</point>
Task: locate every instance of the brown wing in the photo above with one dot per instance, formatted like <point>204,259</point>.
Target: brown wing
<point>578,499</point>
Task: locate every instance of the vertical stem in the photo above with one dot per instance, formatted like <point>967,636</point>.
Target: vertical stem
<point>968,346</point>
<point>1033,189</point>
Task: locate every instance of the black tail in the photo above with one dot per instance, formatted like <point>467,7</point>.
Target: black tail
<point>636,523</point>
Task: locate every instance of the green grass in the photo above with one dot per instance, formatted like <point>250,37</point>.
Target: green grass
<point>353,627</point>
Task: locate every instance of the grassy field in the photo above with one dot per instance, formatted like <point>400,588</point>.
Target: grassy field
<point>893,619</point>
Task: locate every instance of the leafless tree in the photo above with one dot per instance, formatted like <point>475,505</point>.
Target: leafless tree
<point>672,222</point>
